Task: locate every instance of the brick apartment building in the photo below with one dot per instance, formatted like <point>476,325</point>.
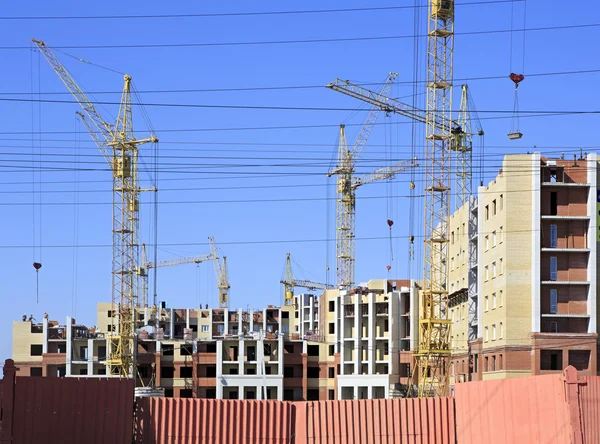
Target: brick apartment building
<point>523,271</point>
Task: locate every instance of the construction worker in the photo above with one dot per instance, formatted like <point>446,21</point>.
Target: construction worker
<point>25,317</point>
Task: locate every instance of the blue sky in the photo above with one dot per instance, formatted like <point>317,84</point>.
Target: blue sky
<point>276,167</point>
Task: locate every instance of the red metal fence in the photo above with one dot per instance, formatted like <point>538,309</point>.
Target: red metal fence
<point>548,409</point>
<point>68,410</point>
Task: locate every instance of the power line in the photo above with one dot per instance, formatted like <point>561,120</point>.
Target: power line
<point>241,14</point>
<point>299,41</point>
<point>302,87</point>
<point>289,108</point>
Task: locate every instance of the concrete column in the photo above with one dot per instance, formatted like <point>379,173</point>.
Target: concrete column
<point>357,335</point>
<point>219,369</point>
<point>593,235</point>
<point>342,335</point>
<point>225,321</point>
<point>251,314</point>
<point>90,357</point>
<point>241,352</point>
<point>45,335</point>
<point>370,391</point>
<point>172,323</point>
<point>280,355</point>
<point>336,318</point>
<point>69,346</point>
<point>187,318</point>
<point>311,316</point>
<point>264,327</point>
<point>371,332</point>
<point>535,246</point>
<point>240,323</point>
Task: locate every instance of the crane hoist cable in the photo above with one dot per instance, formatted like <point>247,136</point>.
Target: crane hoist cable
<point>515,132</point>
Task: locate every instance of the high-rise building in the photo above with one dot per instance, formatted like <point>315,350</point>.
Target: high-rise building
<point>523,271</point>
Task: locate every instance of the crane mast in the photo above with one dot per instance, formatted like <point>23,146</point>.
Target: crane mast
<point>290,282</point>
<point>222,274</point>
<point>346,200</point>
<point>118,145</point>
<point>432,358</point>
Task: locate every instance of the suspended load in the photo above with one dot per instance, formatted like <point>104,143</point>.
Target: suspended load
<point>514,133</point>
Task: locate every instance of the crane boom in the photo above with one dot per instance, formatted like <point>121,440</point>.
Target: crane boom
<point>388,105</point>
<point>290,282</point>
<point>384,173</point>
<point>123,161</point>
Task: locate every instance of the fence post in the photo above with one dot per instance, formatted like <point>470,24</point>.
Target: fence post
<point>8,401</point>
<point>572,399</point>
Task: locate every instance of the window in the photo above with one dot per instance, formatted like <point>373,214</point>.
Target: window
<point>36,350</point>
<point>553,235</point>
<point>386,349</point>
<point>386,326</point>
<point>501,266</point>
<point>205,329</point>
<point>485,363</point>
<point>250,394</point>
<point>102,371</point>
<point>109,313</point>
<point>501,206</point>
<point>499,362</point>
<point>313,350</point>
<point>487,242</point>
<point>493,270</point>
<point>167,372</point>
<point>501,234</point>
<point>252,371</point>
<point>312,372</point>
<point>487,212</point>
<point>186,350</point>
<point>167,349</point>
<point>267,349</point>
<point>500,299</point>
<point>35,371</point>
<point>331,372</point>
<point>493,363</point>
<point>553,203</point>
<point>493,301</point>
<point>234,371</point>
<point>331,328</point>
<point>285,328</point>
<point>452,264</point>
<point>553,327</point>
<point>285,314</point>
<point>331,395</point>
<point>553,268</point>
<point>331,306</point>
<point>101,352</point>
<point>109,327</point>
<point>452,239</point>
<point>553,301</point>
<point>493,332</point>
<point>185,372</point>
<point>501,333</point>
<point>331,350</point>
<point>493,238</point>
<point>288,372</point>
<point>220,329</point>
<point>486,336</point>
<point>494,207</point>
<point>487,273</point>
<point>487,303</point>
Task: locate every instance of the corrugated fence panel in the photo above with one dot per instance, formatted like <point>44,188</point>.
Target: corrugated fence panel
<point>212,421</point>
<point>530,409</point>
<point>590,408</point>
<point>73,410</point>
<point>377,421</point>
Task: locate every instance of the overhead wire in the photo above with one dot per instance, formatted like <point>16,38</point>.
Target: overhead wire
<point>302,41</point>
<point>239,14</point>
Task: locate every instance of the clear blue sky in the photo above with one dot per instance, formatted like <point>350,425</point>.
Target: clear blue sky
<point>295,161</point>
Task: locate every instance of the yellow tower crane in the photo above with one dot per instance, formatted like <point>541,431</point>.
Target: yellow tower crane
<point>433,356</point>
<point>222,275</point>
<point>347,185</point>
<point>290,282</point>
<point>119,147</point>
